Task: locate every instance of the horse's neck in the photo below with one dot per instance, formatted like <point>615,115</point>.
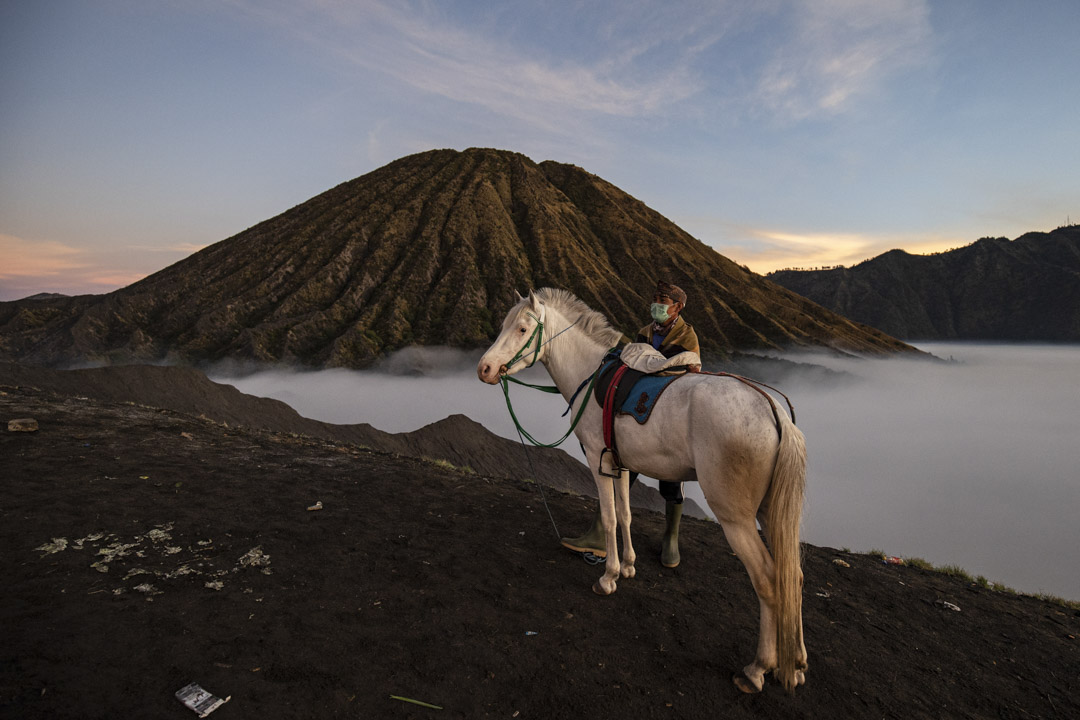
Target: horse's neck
<point>572,358</point>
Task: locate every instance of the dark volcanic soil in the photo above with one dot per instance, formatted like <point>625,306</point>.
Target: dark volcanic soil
<point>144,549</point>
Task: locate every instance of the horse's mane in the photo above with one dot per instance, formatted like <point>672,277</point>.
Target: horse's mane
<point>589,321</point>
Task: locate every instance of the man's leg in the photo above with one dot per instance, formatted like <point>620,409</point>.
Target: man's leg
<point>669,550</point>
<point>593,539</point>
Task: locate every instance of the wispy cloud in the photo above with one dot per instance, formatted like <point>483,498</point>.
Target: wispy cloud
<point>841,50</point>
<point>184,248</point>
<point>32,266</point>
<point>111,281</point>
<point>631,59</point>
<point>766,250</point>
<point>31,258</point>
<point>421,46</point>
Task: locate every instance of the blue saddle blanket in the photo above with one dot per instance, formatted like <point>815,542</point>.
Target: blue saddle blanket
<point>637,392</point>
<point>643,396</point>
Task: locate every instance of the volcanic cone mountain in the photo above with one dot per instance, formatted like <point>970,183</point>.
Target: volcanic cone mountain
<point>427,250</point>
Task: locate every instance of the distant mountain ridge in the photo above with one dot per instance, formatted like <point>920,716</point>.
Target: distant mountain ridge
<point>426,250</point>
<point>1027,289</point>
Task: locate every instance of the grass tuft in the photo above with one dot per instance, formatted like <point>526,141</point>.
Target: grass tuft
<point>955,571</point>
<point>958,572</point>
<point>447,465</point>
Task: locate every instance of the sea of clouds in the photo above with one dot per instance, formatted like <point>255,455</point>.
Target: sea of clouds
<point>973,462</point>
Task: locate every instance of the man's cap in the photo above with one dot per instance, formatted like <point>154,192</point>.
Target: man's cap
<point>672,291</point>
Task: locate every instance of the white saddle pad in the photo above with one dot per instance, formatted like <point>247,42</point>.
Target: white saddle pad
<point>647,359</point>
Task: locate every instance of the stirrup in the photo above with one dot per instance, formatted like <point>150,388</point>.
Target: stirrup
<point>615,464</point>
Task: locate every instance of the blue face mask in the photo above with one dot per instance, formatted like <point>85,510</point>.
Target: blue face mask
<point>659,312</point>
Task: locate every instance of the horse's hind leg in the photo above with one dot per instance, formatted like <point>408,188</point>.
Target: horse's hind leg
<point>747,544</point>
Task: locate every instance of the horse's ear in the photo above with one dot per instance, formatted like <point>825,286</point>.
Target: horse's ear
<point>535,301</point>
<point>517,296</point>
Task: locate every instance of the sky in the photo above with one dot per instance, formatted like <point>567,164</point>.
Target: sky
<point>782,133</point>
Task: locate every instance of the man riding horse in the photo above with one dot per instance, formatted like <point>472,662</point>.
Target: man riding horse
<point>670,335</point>
<point>721,431</point>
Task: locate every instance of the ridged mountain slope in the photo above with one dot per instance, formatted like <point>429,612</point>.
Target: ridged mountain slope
<point>1027,289</point>
<point>426,250</point>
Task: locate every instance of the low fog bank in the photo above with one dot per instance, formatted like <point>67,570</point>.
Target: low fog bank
<point>972,462</point>
<point>410,389</point>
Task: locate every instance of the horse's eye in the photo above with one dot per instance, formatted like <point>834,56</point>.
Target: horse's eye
<point>522,331</point>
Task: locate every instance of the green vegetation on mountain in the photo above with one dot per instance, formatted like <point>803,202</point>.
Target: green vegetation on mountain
<point>426,250</point>
<point>1026,289</point>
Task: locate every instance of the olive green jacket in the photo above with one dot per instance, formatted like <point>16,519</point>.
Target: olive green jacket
<point>681,337</point>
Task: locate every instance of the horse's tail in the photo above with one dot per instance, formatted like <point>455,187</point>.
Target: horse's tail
<point>783,516</point>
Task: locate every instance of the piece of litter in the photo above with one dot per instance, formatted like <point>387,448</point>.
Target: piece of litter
<point>22,425</point>
<point>893,560</point>
<point>159,533</point>
<point>946,605</point>
<point>415,702</point>
<point>199,700</point>
<point>316,506</point>
<point>255,557</point>
<point>840,562</point>
<point>57,545</point>
<point>822,594</point>
<point>531,632</point>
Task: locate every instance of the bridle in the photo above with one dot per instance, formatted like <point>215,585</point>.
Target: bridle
<point>538,335</point>
<point>505,379</point>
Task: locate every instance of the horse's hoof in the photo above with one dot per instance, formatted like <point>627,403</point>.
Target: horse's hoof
<point>598,588</point>
<point>744,684</point>
<point>628,572</point>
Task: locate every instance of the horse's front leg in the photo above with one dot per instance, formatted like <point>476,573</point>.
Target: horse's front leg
<point>606,495</point>
<point>622,513</point>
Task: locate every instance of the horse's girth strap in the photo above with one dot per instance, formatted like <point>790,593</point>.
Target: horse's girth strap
<point>609,413</point>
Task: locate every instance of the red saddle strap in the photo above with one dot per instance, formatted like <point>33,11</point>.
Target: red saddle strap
<point>609,412</point>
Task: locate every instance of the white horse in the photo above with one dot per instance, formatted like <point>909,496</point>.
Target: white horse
<point>750,464</point>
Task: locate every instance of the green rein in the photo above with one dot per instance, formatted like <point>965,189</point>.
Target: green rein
<point>505,380</point>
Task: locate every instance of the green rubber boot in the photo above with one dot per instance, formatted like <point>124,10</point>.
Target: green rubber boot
<point>669,551</point>
<point>593,541</point>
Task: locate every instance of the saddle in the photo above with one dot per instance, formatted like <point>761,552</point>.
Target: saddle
<point>621,390</point>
